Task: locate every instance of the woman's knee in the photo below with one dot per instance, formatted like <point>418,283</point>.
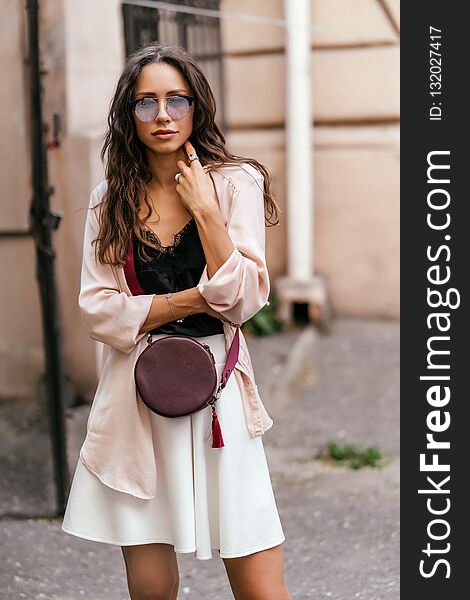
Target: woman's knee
<point>154,589</point>
<point>152,571</point>
<point>153,594</point>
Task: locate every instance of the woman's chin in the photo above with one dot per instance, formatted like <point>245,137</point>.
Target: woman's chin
<point>163,149</point>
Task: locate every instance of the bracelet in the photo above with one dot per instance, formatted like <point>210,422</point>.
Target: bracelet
<point>168,296</point>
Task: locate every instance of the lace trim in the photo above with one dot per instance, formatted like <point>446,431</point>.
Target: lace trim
<point>176,236</point>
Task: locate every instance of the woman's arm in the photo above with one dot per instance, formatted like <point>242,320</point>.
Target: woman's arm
<point>235,281</point>
<point>216,242</point>
<point>109,315</point>
<point>184,303</point>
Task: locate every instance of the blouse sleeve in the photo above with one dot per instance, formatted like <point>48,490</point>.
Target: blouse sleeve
<point>110,316</point>
<point>240,287</point>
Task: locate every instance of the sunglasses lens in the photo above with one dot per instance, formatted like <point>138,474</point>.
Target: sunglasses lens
<point>177,107</point>
<point>146,109</point>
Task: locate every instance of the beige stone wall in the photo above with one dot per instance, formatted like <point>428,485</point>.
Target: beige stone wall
<point>355,58</point>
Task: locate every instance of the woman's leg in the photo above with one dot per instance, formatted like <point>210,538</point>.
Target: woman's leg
<point>152,571</point>
<point>258,576</point>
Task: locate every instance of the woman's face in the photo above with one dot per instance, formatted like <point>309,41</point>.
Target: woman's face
<point>160,81</point>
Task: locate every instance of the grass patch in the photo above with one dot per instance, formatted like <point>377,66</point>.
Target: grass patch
<point>352,456</point>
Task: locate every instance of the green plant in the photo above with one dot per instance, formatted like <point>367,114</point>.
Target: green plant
<point>265,321</point>
<point>351,455</point>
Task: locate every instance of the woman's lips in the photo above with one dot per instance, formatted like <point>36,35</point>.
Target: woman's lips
<point>164,136</point>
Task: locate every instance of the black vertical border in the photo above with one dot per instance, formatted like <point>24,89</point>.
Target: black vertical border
<point>419,136</point>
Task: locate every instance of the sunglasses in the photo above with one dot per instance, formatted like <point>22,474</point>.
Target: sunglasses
<point>177,107</point>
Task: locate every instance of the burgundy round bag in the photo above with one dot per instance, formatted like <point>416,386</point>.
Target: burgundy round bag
<point>175,375</point>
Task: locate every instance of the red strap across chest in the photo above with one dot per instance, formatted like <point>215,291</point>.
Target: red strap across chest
<point>129,270</point>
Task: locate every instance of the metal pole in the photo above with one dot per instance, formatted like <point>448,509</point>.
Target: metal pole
<point>299,154</point>
<point>41,222</point>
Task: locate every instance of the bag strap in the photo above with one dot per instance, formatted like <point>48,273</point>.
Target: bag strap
<point>136,289</point>
<point>232,357</point>
<point>129,270</point>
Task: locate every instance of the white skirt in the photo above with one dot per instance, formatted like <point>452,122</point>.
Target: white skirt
<point>207,498</point>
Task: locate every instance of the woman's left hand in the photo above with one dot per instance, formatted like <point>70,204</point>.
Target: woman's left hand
<point>194,185</point>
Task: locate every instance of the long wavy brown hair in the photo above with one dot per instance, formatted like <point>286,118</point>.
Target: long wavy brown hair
<point>123,153</point>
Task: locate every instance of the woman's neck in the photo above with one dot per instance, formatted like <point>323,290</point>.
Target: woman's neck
<point>164,169</point>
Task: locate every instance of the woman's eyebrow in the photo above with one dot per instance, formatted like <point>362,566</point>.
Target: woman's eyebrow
<point>154,94</point>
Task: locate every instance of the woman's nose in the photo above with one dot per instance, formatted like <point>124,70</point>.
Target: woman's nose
<point>162,115</point>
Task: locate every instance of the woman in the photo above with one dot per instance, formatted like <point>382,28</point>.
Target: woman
<point>151,484</point>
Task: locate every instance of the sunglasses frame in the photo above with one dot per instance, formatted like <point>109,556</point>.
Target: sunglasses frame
<point>133,103</point>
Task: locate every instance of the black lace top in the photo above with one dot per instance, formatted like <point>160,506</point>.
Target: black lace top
<point>172,269</point>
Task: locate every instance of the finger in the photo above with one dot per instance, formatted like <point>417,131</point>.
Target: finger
<point>196,166</point>
<point>182,166</point>
<point>189,148</point>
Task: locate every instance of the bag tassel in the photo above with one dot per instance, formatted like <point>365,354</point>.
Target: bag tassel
<point>217,440</point>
